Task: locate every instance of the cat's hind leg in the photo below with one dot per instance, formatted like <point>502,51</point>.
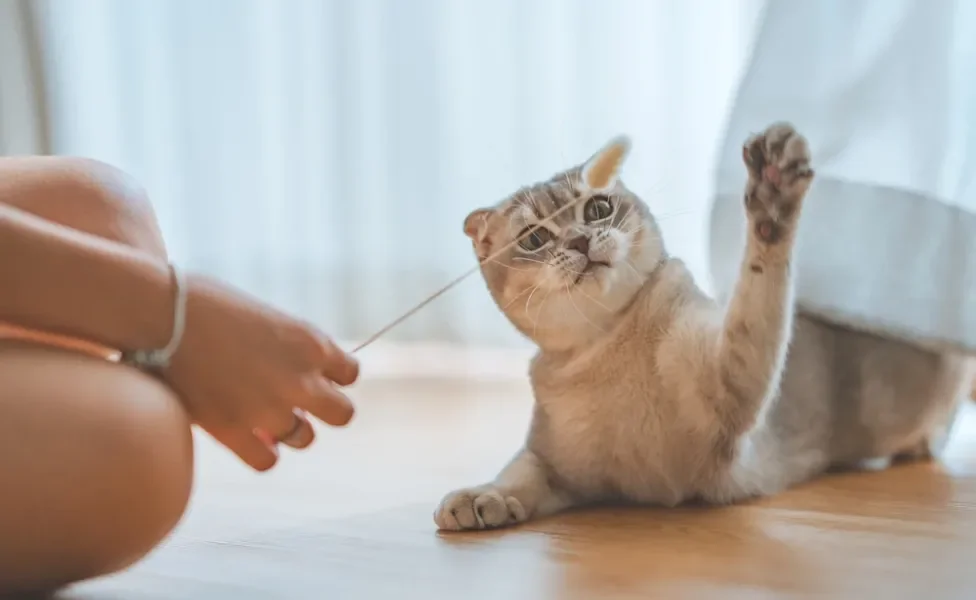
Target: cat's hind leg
<point>522,491</point>
<point>932,445</point>
<point>921,451</point>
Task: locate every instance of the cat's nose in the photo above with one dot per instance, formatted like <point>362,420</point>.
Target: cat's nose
<point>580,243</point>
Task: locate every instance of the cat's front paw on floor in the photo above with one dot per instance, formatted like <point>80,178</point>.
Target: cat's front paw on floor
<point>478,508</point>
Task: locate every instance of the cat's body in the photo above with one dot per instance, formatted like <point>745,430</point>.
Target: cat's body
<point>846,399</point>
<point>649,391</point>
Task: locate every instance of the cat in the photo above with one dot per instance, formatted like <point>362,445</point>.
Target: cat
<point>648,391</point>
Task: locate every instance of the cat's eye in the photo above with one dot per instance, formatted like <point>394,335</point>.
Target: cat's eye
<point>597,208</point>
<point>539,237</point>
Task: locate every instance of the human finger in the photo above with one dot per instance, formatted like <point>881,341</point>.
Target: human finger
<point>333,362</point>
<point>258,455</point>
<point>299,435</point>
<point>278,418</point>
<point>302,436</point>
<point>326,402</point>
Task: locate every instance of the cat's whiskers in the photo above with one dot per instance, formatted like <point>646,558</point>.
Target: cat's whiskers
<point>513,229</point>
<point>572,302</point>
<point>532,202</point>
<point>528,259</point>
<point>634,230</point>
<point>594,300</point>
<point>528,300</point>
<point>606,165</point>
<point>516,297</point>
<point>535,325</point>
<point>535,288</point>
<point>501,264</point>
<point>573,185</point>
<point>573,271</point>
<point>626,214</point>
<point>634,242</point>
<point>528,200</point>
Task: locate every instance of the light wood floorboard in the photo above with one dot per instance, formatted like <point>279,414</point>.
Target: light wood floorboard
<point>351,519</point>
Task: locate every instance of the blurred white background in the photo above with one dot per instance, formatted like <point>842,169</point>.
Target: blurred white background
<point>323,153</point>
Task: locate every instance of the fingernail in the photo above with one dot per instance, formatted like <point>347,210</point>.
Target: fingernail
<point>351,410</point>
<point>353,370</point>
<point>267,440</point>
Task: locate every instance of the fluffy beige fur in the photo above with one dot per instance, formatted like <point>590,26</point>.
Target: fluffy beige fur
<point>647,390</point>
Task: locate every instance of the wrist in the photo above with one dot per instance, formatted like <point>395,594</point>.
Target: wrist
<point>159,357</point>
<point>196,302</point>
<point>150,308</point>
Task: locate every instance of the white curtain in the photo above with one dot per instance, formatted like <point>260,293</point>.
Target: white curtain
<point>886,92</point>
<point>22,122</point>
<point>323,153</point>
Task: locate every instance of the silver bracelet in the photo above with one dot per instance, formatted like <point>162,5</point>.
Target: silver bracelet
<point>156,360</point>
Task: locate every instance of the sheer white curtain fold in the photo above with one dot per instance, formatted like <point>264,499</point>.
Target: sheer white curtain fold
<point>22,119</point>
<point>885,91</point>
<point>323,153</point>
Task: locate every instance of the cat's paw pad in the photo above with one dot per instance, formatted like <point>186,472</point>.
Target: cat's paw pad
<point>778,161</point>
<point>479,508</point>
<point>779,156</point>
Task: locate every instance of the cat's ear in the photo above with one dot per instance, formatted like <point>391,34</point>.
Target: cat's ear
<point>476,228</point>
<point>599,173</point>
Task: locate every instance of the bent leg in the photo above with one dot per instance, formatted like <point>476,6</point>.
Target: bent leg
<point>96,459</point>
<point>84,195</point>
<point>96,466</point>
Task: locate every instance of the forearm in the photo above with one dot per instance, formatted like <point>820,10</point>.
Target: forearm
<point>66,282</point>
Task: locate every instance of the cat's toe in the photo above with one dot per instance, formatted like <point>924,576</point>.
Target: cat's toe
<point>787,156</point>
<point>456,512</point>
<point>754,154</point>
<point>776,136</point>
<point>492,510</point>
<point>778,153</point>
<point>477,509</point>
<point>516,511</point>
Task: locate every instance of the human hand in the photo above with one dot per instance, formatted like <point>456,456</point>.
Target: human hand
<point>247,373</point>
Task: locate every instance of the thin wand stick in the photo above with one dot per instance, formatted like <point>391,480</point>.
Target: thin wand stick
<point>384,330</point>
<point>597,174</point>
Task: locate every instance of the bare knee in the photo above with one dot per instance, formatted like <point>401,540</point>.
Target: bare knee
<point>155,478</point>
<point>102,459</point>
<point>83,194</point>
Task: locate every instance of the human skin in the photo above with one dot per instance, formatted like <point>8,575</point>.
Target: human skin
<point>96,458</point>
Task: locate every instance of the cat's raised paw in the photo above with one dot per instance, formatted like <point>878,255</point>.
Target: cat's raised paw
<point>778,161</point>
<point>779,156</point>
<point>478,508</point>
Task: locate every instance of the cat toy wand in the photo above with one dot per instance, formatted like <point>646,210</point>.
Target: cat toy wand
<point>597,175</point>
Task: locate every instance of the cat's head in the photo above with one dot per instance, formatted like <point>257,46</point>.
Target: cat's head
<point>567,280</point>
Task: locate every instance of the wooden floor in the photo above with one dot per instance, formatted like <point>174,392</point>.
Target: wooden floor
<point>351,519</point>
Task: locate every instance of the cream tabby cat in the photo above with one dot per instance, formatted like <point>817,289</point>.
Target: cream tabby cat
<point>646,390</point>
